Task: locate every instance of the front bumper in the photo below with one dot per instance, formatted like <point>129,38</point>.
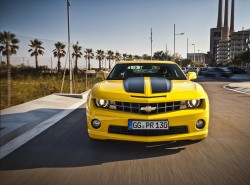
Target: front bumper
<point>177,118</point>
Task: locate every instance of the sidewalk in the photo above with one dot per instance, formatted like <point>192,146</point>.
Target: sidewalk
<point>242,87</point>
<point>23,122</point>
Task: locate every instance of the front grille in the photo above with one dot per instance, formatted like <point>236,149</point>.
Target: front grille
<point>126,131</point>
<point>136,107</point>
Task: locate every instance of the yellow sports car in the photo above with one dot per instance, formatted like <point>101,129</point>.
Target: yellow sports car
<point>148,101</point>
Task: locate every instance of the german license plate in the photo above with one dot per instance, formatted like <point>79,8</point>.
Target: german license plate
<point>147,125</point>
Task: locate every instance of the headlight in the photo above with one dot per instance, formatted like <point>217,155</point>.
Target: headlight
<point>193,103</point>
<point>105,104</point>
<point>190,104</point>
<point>102,103</point>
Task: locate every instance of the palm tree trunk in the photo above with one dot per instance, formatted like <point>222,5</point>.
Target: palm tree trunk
<point>8,78</point>
<point>76,63</point>
<point>100,64</point>
<point>76,67</point>
<point>58,65</point>
<point>89,64</point>
<point>36,61</point>
<point>109,64</point>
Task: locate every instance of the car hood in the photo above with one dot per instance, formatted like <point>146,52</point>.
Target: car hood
<point>111,86</point>
<point>115,90</point>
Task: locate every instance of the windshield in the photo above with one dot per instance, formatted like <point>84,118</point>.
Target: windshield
<point>124,71</point>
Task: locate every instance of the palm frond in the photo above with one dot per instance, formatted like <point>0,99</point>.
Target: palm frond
<point>8,39</point>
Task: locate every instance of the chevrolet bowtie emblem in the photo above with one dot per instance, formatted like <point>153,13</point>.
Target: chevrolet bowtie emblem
<point>148,108</point>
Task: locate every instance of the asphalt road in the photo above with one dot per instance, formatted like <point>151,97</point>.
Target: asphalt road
<point>63,154</point>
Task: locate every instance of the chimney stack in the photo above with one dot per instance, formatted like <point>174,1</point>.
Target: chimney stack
<point>232,18</point>
<point>219,21</point>
<point>225,29</point>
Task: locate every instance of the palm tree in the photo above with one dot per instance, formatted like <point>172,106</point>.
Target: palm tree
<point>244,58</point>
<point>59,52</point>
<point>110,56</point>
<point>36,49</point>
<point>88,55</point>
<point>124,56</point>
<point>236,61</point>
<point>161,55</point>
<point>137,57</point>
<point>130,57</point>
<point>100,56</point>
<point>77,54</point>
<point>146,57</point>
<point>117,56</point>
<point>8,47</point>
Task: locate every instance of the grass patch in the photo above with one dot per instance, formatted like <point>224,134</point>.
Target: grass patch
<point>27,88</point>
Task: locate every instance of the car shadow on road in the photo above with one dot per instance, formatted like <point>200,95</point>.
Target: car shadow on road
<point>66,144</point>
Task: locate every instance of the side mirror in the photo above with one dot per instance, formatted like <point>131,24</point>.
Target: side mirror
<point>191,76</point>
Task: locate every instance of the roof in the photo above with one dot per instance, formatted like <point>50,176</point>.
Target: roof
<point>146,61</point>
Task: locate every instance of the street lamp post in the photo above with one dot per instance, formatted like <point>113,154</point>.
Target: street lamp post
<point>199,56</point>
<point>187,47</point>
<point>194,51</point>
<point>70,62</point>
<point>86,75</point>
<point>151,39</point>
<point>174,37</point>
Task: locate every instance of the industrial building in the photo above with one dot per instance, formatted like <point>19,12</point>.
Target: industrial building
<point>225,43</point>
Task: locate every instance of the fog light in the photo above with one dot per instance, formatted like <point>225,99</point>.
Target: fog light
<point>200,124</point>
<point>96,123</point>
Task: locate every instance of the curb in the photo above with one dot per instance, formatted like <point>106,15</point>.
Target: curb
<point>70,95</point>
<point>27,136</point>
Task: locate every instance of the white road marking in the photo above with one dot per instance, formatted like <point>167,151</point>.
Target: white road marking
<point>225,87</point>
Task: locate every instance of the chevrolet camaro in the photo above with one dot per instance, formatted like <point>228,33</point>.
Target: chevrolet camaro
<point>148,101</point>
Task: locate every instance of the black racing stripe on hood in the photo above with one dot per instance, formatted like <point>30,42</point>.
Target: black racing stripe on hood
<point>134,84</point>
<point>160,85</point>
